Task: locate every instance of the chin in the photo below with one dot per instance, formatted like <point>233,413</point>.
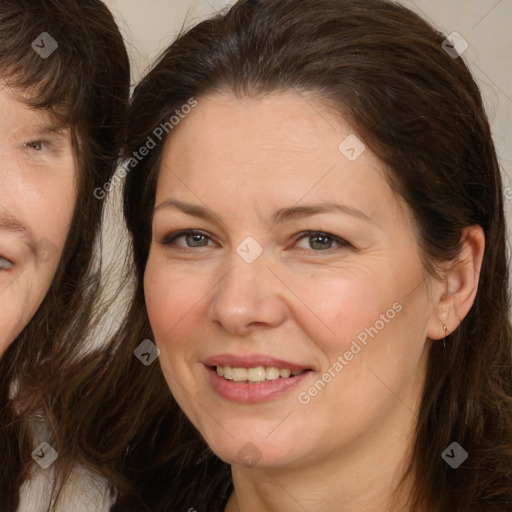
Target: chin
<point>254,450</point>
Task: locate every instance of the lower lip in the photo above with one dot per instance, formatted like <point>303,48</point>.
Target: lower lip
<point>244,393</point>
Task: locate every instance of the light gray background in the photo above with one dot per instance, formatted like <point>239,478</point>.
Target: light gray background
<point>150,26</point>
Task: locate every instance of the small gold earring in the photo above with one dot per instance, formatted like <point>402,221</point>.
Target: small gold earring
<point>445,329</point>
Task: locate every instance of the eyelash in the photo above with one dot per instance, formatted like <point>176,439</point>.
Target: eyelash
<point>171,238</point>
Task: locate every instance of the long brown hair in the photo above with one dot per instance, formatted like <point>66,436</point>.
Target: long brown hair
<point>84,85</point>
<point>385,70</point>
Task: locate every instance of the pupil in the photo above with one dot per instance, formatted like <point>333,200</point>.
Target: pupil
<point>320,242</point>
<point>196,239</point>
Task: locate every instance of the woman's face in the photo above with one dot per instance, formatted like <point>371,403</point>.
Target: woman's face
<point>302,269</point>
<point>37,194</point>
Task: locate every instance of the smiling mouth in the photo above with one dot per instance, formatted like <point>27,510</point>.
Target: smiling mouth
<point>255,374</point>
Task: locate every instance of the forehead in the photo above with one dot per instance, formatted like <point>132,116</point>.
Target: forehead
<point>249,137</point>
<point>287,140</point>
<point>286,121</point>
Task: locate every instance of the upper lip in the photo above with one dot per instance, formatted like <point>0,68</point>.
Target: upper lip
<point>252,361</point>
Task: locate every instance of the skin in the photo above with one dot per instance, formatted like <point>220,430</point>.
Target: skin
<point>244,159</point>
<point>36,204</point>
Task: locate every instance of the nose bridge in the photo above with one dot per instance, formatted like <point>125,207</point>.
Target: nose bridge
<point>248,294</point>
<point>247,280</point>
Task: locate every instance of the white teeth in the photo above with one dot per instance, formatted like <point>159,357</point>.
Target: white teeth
<point>272,373</point>
<point>239,374</point>
<point>255,374</point>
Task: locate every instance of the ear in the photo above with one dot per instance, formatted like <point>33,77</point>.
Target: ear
<point>456,292</point>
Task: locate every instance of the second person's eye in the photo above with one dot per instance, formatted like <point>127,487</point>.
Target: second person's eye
<point>36,145</point>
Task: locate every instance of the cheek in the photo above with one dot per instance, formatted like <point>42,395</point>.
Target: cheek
<point>54,204</point>
<point>173,306</point>
<point>170,300</point>
<point>362,322</point>
<point>336,310</point>
<point>158,299</point>
<point>377,346</point>
<point>46,205</point>
<point>51,217</point>
<point>20,298</point>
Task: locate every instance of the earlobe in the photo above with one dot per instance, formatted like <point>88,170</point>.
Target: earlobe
<point>459,286</point>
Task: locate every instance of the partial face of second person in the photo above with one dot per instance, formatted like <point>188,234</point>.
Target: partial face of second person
<point>272,253</point>
<point>37,195</point>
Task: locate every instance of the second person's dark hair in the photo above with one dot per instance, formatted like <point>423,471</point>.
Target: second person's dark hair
<point>84,85</point>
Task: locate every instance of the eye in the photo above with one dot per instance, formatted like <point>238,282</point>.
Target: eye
<point>5,264</point>
<point>191,239</point>
<point>319,241</point>
<point>36,145</point>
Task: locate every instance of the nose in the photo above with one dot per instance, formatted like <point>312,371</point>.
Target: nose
<point>249,297</point>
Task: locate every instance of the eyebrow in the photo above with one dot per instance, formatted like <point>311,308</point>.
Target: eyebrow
<point>280,216</point>
<point>53,131</point>
<point>48,129</point>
